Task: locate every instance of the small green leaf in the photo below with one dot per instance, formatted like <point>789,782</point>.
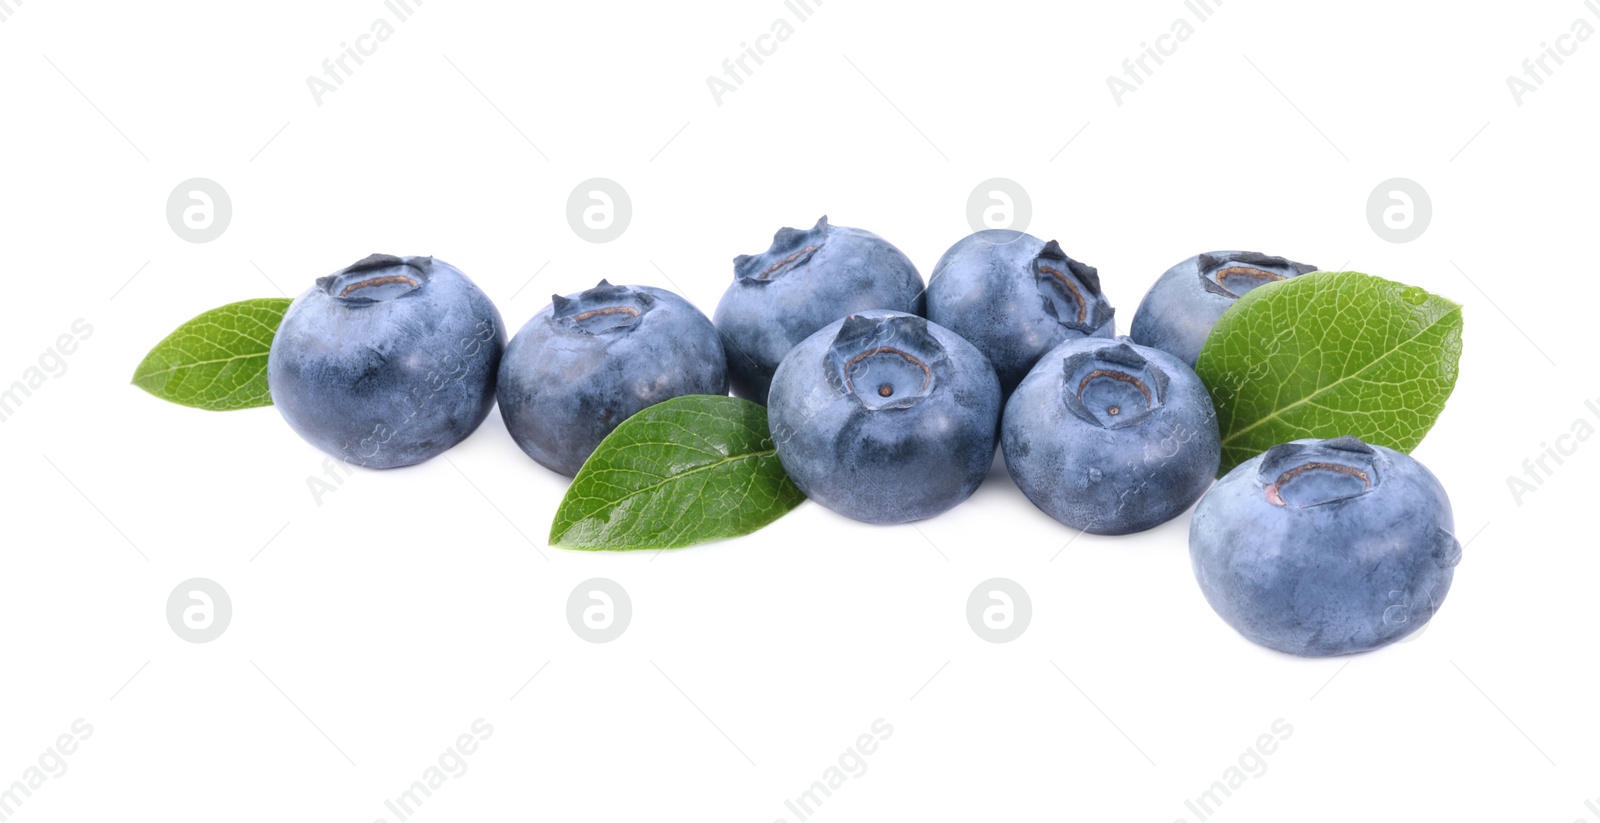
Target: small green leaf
<point>218,360</point>
<point>689,470</point>
<point>1330,354</point>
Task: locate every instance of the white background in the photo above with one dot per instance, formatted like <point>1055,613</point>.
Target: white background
<point>371,630</point>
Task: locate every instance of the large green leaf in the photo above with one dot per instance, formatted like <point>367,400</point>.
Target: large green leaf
<point>218,360</point>
<point>686,471</point>
<point>1330,354</point>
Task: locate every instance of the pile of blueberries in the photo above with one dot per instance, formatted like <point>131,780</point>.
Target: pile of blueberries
<point>887,400</point>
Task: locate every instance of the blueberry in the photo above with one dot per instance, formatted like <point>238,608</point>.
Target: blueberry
<point>589,361</point>
<point>885,417</point>
<point>1325,547</point>
<point>388,362</point>
<point>1111,437</point>
<point>806,280</point>
<point>1016,297</point>
<point>1180,309</point>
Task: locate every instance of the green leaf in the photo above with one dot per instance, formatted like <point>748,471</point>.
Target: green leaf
<point>218,360</point>
<point>689,470</point>
<point>1330,354</point>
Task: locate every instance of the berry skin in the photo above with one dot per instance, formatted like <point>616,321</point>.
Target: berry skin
<point>1180,309</point>
<point>591,360</point>
<point>806,280</point>
<point>885,417</point>
<point>1111,437</point>
<point>1016,297</point>
<point>387,362</point>
<point>1325,547</point>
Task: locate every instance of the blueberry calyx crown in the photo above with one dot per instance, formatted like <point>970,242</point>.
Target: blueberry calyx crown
<point>377,278</point>
<point>885,362</point>
<point>1303,475</point>
<point>604,309</point>
<point>1113,386</point>
<point>1071,290</point>
<point>791,249</point>
<point>1231,274</point>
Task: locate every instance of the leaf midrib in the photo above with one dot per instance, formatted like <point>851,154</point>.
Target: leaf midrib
<point>612,504</point>
<point>1277,413</point>
<point>198,363</point>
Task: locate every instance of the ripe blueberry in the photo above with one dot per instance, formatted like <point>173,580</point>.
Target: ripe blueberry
<point>1016,297</point>
<point>1180,309</point>
<point>591,360</point>
<point>388,362</point>
<point>1111,437</point>
<point>1325,547</point>
<point>885,417</point>
<point>806,280</point>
